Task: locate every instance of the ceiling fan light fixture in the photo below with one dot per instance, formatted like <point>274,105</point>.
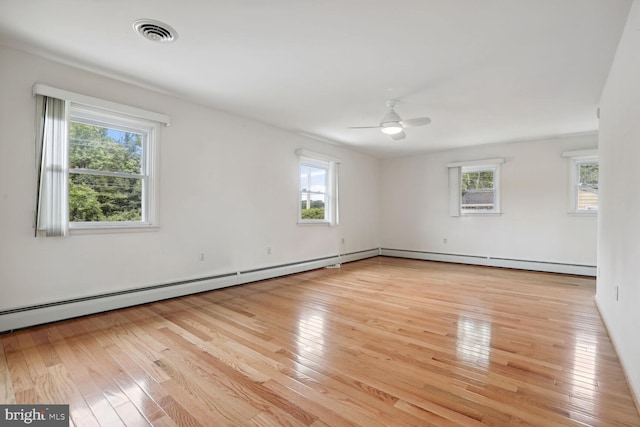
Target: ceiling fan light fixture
<point>391,128</point>
<point>393,125</point>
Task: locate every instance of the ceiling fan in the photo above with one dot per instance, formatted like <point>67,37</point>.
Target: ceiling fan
<point>393,125</point>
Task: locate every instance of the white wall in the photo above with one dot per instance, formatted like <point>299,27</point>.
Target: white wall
<point>535,224</point>
<point>619,221</point>
<point>228,188</point>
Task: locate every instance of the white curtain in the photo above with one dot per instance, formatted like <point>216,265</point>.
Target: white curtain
<point>335,214</point>
<point>52,212</point>
<point>454,190</point>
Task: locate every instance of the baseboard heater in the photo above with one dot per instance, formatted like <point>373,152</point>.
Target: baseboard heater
<point>551,267</point>
<point>22,317</point>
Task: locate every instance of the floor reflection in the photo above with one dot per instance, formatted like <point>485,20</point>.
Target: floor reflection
<point>311,333</point>
<point>474,341</point>
<point>583,374</point>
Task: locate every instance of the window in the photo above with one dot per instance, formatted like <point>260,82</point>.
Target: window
<point>586,189</point>
<point>97,163</point>
<point>583,181</point>
<point>110,180</point>
<point>478,190</point>
<point>474,187</point>
<point>317,189</point>
<point>314,187</point>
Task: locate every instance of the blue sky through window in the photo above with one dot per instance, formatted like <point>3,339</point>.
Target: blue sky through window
<point>120,136</point>
<point>313,179</point>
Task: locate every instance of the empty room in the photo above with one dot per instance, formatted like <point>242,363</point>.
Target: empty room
<point>289,213</point>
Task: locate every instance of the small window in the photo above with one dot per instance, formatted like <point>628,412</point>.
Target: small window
<point>314,196</point>
<point>110,180</point>
<point>585,185</point>
<point>318,188</point>
<point>479,189</point>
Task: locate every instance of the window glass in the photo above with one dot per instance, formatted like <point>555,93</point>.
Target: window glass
<point>478,190</point>
<point>587,186</point>
<point>103,148</point>
<point>96,196</point>
<point>313,192</point>
<point>110,169</point>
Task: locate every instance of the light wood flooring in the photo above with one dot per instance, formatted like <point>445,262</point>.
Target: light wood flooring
<point>378,342</point>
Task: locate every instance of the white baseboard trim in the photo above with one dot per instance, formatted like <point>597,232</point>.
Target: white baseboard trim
<point>59,310</point>
<point>635,390</point>
<point>550,267</point>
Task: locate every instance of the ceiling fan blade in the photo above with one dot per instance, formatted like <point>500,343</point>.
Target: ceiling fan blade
<point>363,127</point>
<point>399,136</point>
<point>418,121</point>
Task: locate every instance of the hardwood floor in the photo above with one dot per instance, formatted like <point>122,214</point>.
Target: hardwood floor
<point>378,342</point>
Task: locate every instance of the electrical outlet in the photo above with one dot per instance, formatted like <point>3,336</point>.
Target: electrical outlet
<point>342,241</point>
<point>268,250</point>
<point>201,256</point>
<point>444,240</point>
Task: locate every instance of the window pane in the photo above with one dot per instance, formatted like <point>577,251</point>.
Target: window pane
<point>479,180</point>
<point>319,180</point>
<point>312,206</point>
<point>587,199</point>
<point>313,179</point>
<point>103,198</point>
<point>478,200</point>
<point>477,191</point>
<point>305,173</point>
<point>104,149</point>
<point>588,175</point>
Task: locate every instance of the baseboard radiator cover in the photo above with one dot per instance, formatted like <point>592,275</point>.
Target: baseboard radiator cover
<point>550,267</point>
<point>38,314</point>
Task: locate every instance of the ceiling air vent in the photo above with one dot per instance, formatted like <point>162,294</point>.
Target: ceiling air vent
<point>155,31</point>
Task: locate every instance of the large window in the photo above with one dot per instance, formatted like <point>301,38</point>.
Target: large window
<point>318,202</point>
<point>109,168</point>
<point>97,163</point>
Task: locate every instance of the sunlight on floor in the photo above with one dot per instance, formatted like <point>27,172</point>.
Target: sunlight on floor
<point>311,333</point>
<point>474,342</point>
<point>584,376</point>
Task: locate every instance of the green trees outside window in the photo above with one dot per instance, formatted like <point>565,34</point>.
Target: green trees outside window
<point>105,178</point>
<point>314,211</point>
<point>477,189</point>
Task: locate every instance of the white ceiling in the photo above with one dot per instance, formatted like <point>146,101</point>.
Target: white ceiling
<point>483,71</point>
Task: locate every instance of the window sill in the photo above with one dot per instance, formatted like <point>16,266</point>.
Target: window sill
<point>111,229</point>
<point>305,223</point>
<point>470,215</point>
<point>586,214</point>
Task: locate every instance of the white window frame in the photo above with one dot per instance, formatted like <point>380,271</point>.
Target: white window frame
<point>496,189</point>
<point>330,164</point>
<point>577,158</point>
<point>116,115</point>
<point>455,185</point>
<point>149,131</point>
